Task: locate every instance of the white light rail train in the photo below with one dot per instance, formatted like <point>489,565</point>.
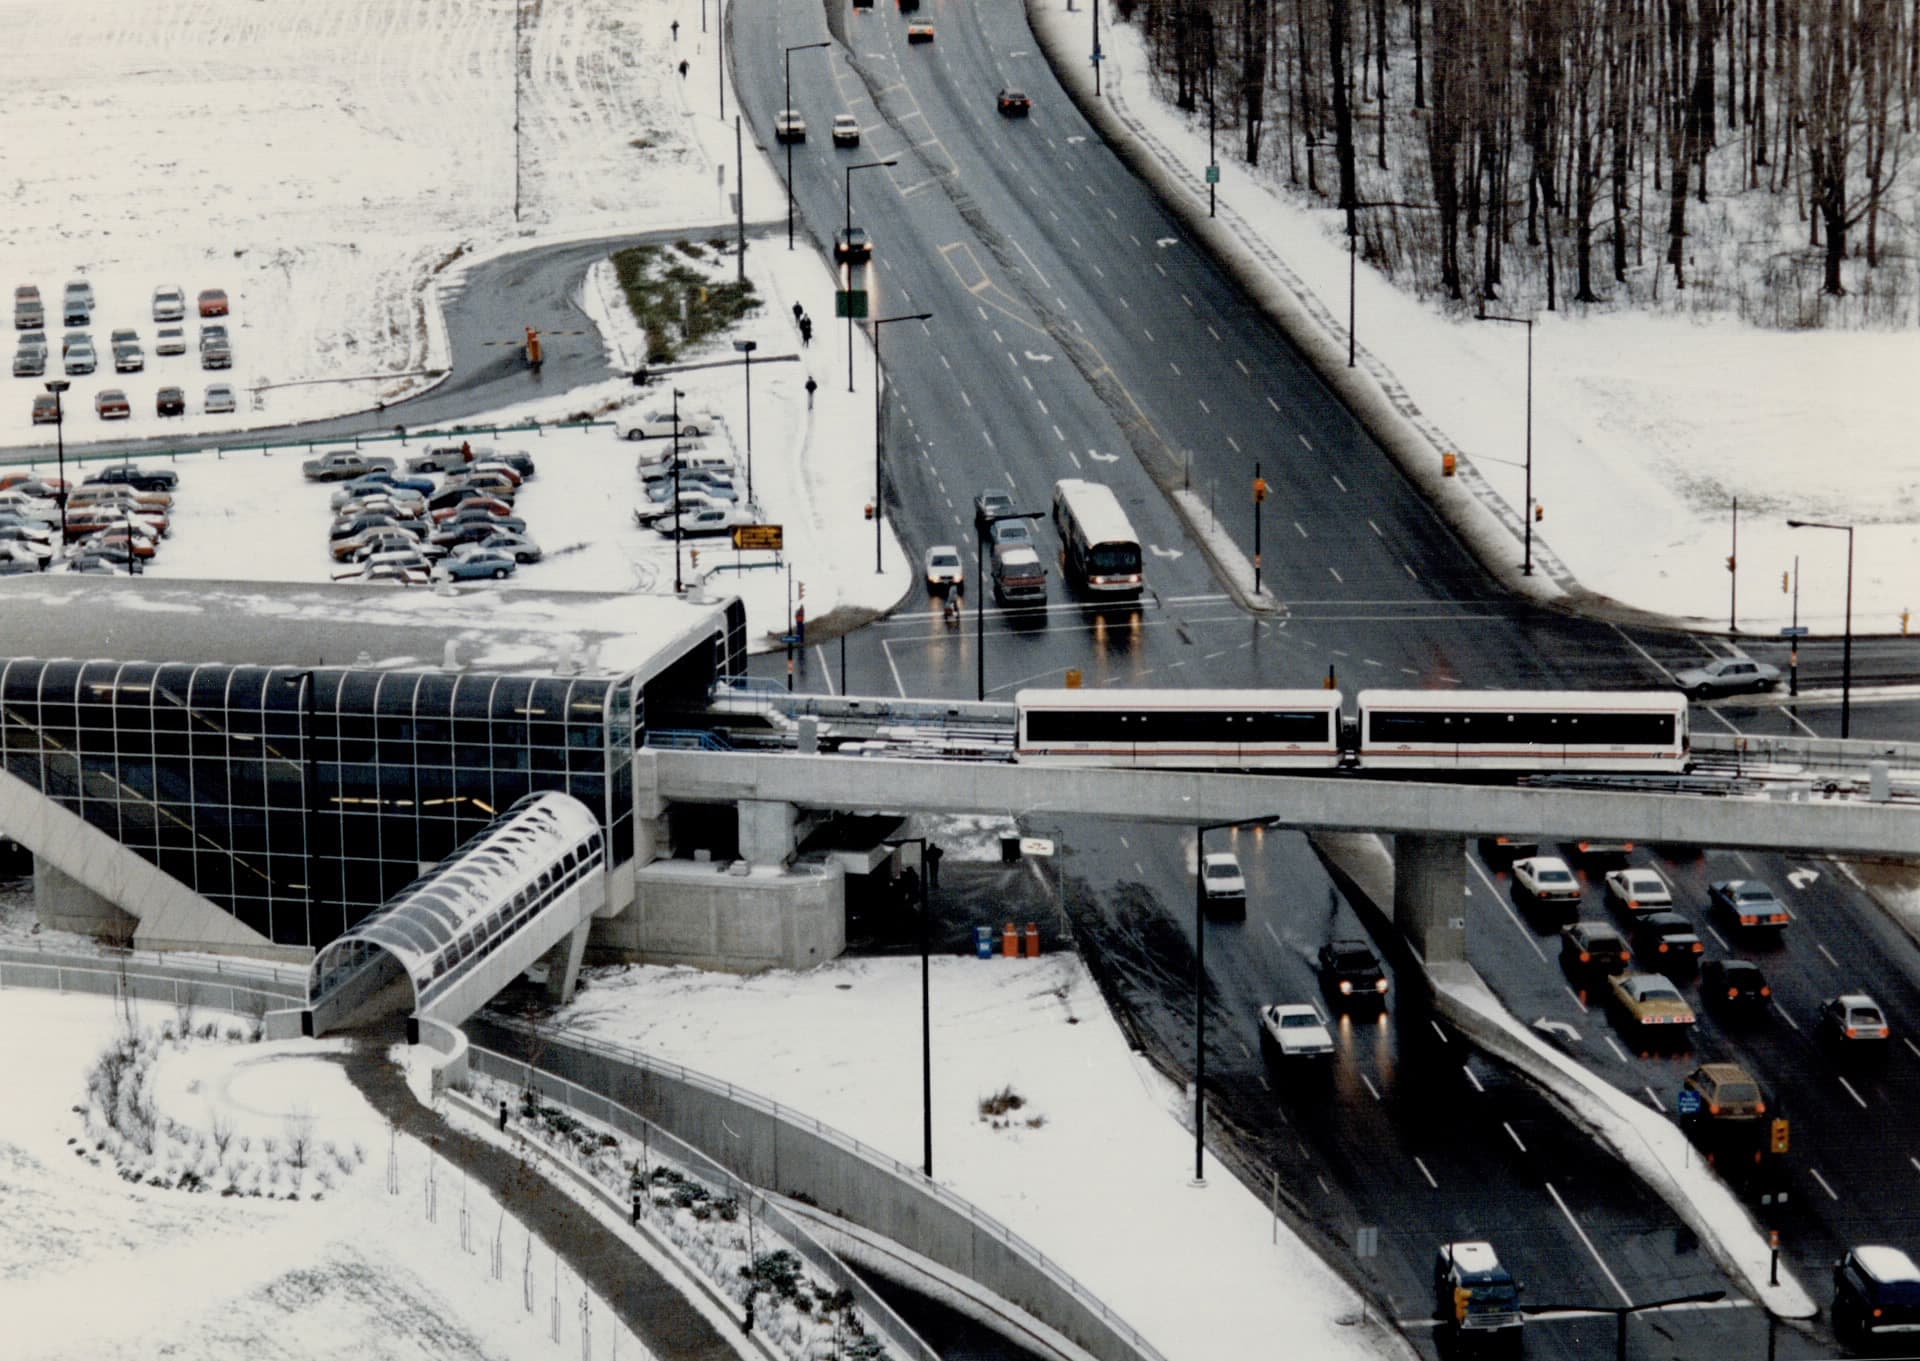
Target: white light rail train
<point>1497,732</point>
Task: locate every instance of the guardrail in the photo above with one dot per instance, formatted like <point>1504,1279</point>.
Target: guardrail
<point>105,980</point>
<point>290,979</point>
<point>1816,754</point>
<point>398,434</point>
<point>548,1043</point>
<point>897,1332</point>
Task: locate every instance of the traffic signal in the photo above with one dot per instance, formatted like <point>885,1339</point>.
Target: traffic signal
<point>1259,490</point>
<point>1780,1136</point>
<point>869,510</point>
<point>1539,512</point>
<point>1730,562</point>
<point>1786,579</point>
<point>801,589</point>
<point>1461,1294</point>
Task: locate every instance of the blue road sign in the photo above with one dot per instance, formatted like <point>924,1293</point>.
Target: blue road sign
<point>1689,1101</point>
<point>1797,631</point>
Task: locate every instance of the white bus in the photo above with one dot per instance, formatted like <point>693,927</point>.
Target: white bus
<point>1102,551</point>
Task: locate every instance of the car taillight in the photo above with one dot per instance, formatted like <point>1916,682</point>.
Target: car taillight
<point>1759,1108</point>
<point>1748,921</point>
<point>1663,947</point>
<point>1380,985</point>
<point>1346,987</point>
<point>1713,1109</point>
<point>1733,994</point>
<point>1766,990</point>
<point>1585,958</point>
<point>1876,1311</point>
<point>1883,1032</point>
<point>1698,946</point>
<point>1852,1034</point>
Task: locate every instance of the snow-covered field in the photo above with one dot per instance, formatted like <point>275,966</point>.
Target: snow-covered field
<point>96,1268</point>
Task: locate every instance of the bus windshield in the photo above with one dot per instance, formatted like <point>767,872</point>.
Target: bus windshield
<point>1114,559</point>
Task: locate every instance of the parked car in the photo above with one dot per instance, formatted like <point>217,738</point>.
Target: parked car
<point>653,512</point>
<point>1350,973</point>
<point>482,501</point>
<point>1748,905</point>
<point>119,493</point>
<point>518,459</point>
<point>30,357</point>
<point>1727,676</point>
<point>660,424</point>
<point>216,355</point>
<point>170,340</point>
<point>514,542</point>
<point>1853,1018</point>
<point>1223,888</point>
<point>22,545</point>
<point>340,465</point>
<point>1734,984</point>
<point>110,404</point>
<point>125,538</point>
<point>1649,1001</point>
<point>470,561</point>
<point>493,467</point>
<point>219,400</point>
<point>380,482</point>
<point>17,562</point>
<point>1666,941</point>
<point>376,529</point>
<point>692,523</point>
<point>92,564</point>
<point>349,526</point>
<point>852,246</point>
<point>443,458</point>
<point>376,541</point>
<point>133,475</point>
<point>1590,951</point>
<point>409,567</point>
<point>1637,889</point>
<point>46,408</point>
<point>76,309</point>
<point>169,303</point>
<point>1013,103</point>
<point>1295,1032</point>
<point>945,568</point>
<point>483,515</point>
<point>461,484</point>
<point>213,302</point>
<point>28,312</point>
<point>128,357</point>
<point>452,536</point>
<point>76,354</point>
<point>717,486</point>
<point>789,126</point>
<point>1546,879</point>
<point>846,130</point>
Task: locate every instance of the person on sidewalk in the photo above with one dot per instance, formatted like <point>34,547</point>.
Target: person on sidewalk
<point>812,387</point>
<point>806,330</point>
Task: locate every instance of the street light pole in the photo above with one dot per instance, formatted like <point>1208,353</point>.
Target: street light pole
<point>864,165</point>
<point>878,503</point>
<point>787,104</point>
<point>1526,567</point>
<point>926,1011</point>
<point>1846,647</point>
<point>981,533</point>
<point>1621,1311</point>
<point>746,349</point>
<point>678,587</point>
<point>57,386</point>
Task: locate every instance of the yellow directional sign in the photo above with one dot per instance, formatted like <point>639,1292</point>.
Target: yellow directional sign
<point>757,536</point>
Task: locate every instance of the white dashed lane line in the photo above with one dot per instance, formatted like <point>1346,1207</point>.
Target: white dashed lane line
<point>1858,1100</point>
<point>1831,1193</point>
<point>1599,1261</point>
<point>1428,1175</point>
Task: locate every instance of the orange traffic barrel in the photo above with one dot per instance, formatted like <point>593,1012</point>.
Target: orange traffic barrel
<point>1010,941</point>
<point>1033,941</point>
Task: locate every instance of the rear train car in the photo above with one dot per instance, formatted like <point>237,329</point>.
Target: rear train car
<point>1521,731</point>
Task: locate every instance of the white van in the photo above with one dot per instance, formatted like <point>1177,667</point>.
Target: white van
<point>691,461</point>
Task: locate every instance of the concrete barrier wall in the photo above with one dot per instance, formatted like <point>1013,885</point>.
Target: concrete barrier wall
<point>786,1151</point>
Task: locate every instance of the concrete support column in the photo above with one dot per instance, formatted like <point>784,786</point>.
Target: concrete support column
<point>63,903</point>
<point>1429,894</point>
<point>563,963</point>
<point>767,832</point>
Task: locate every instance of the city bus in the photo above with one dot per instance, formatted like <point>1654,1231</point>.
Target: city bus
<point>1102,551</point>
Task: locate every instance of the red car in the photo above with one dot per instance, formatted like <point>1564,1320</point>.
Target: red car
<point>493,505</point>
<point>46,409</point>
<point>213,302</point>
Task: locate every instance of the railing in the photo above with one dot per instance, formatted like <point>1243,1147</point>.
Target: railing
<point>399,434</point>
<point>978,1218</point>
<point>898,1333</point>
<point>1816,754</point>
<point>687,739</point>
<point>290,977</point>
<point>105,980</point>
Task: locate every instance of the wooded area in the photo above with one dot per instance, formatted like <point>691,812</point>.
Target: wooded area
<point>1581,150</point>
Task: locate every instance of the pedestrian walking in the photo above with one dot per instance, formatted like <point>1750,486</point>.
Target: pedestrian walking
<point>676,30</point>
<point>798,312</point>
<point>812,387</point>
<point>806,330</point>
<point>503,1115</point>
<point>683,70</point>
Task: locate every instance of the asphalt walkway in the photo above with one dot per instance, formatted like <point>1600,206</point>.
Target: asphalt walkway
<point>649,1305</point>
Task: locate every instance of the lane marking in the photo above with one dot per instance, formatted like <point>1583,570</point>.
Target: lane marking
<point>1513,917</point>
<point>1831,1193</point>
<point>1336,575</point>
<point>1605,1270</point>
<point>1618,1052</point>
<point>1828,953</point>
<point>1275,405</point>
<point>1243,368</point>
<point>1653,1100</point>
<point>1473,1078</point>
<point>1786,1016</point>
<point>1370,1087</point>
<point>1858,1100</point>
<point>1304,440</point>
<point>1428,1175</point>
<point>1511,1135</point>
<point>1337,482</point>
<point>1438,1031</point>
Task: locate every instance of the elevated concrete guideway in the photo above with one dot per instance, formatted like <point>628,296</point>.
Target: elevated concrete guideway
<point>1428,821</point>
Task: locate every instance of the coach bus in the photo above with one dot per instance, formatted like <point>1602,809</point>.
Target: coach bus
<point>1102,551</point>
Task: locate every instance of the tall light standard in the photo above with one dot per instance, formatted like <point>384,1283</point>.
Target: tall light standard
<point>1526,568</point>
<point>864,165</point>
<point>920,843</point>
<point>1621,1311</point>
<point>788,104</point>
<point>1200,984</point>
<point>878,504</point>
<point>982,531</point>
<point>746,349</point>
<point>57,386</point>
<point>678,510</point>
<point>1846,648</point>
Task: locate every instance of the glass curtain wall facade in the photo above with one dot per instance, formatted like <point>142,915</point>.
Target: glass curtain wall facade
<point>301,800</point>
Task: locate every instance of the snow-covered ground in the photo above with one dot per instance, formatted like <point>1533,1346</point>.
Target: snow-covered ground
<point>94,1267</point>
<point>1092,1167</point>
<point>1645,428</point>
